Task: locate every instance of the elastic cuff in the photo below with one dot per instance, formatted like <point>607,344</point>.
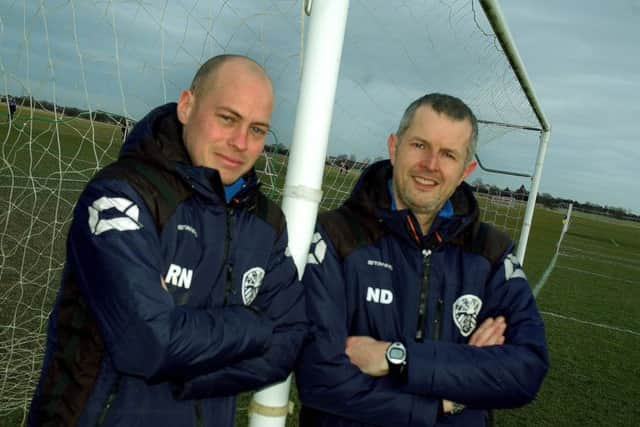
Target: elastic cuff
<point>424,412</point>
<point>421,369</point>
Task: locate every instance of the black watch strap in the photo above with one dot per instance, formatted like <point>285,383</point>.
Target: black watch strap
<point>397,360</point>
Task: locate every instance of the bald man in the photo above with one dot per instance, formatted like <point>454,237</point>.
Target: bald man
<point>178,291</point>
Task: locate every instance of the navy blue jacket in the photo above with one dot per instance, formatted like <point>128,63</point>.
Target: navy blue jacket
<point>365,276</point>
<point>164,327</point>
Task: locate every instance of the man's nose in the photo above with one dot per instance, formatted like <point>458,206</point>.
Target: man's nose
<point>239,138</point>
<point>430,161</point>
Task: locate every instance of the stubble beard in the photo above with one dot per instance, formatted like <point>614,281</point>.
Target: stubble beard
<point>411,199</point>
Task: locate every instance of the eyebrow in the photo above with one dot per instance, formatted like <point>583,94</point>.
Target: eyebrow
<point>424,141</point>
<point>239,116</point>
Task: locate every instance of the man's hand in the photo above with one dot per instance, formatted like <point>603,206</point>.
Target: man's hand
<point>490,332</point>
<point>368,354</point>
<point>447,406</point>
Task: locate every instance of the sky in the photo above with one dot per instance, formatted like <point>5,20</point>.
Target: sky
<point>582,57</point>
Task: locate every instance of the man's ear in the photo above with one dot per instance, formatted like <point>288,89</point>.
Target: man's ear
<point>185,105</point>
<point>468,170</point>
<point>392,143</point>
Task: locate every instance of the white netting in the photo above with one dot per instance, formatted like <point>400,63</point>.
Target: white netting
<point>82,72</point>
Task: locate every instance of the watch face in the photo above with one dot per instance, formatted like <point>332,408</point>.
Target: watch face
<point>396,353</point>
<point>396,356</point>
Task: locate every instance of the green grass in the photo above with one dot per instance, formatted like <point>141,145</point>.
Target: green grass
<point>589,303</point>
<point>595,347</point>
<point>44,163</point>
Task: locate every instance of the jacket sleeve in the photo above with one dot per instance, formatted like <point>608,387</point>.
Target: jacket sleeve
<point>281,299</point>
<point>326,379</point>
<point>115,252</point>
<point>502,376</point>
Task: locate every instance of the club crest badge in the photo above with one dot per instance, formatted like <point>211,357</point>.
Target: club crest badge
<point>251,281</point>
<point>465,313</point>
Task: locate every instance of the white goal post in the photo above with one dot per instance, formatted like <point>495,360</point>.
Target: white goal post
<point>498,22</point>
<point>303,183</point>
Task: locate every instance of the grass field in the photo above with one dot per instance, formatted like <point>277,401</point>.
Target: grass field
<point>590,299</point>
<point>590,307</point>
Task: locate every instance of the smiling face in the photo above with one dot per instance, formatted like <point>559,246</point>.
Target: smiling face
<point>225,121</point>
<point>429,162</point>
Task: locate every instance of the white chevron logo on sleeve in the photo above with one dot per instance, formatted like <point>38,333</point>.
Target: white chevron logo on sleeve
<point>129,221</point>
<point>317,250</point>
<point>512,268</point>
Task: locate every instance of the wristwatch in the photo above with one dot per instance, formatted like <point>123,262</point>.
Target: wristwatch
<point>396,356</point>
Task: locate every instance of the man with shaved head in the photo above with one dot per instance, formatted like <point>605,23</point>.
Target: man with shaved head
<point>178,290</point>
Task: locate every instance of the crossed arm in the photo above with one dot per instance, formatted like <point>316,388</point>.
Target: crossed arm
<point>501,367</point>
<point>145,333</point>
<point>148,335</point>
<point>282,303</point>
<point>368,354</point>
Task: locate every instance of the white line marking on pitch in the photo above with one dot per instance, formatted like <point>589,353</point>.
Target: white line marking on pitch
<point>585,322</point>
<point>545,275</point>
<point>604,276</point>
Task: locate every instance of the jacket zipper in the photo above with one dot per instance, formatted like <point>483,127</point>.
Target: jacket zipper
<point>424,293</point>
<point>227,244</point>
<point>437,323</point>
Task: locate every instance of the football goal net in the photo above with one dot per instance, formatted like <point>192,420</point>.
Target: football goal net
<point>75,77</point>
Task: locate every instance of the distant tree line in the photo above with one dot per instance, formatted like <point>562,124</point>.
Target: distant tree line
<point>97,115</point>
<point>349,162</point>
<point>611,211</point>
<point>520,194</point>
<point>276,149</point>
<point>549,201</point>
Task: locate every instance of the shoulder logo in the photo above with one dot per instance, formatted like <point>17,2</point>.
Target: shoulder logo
<point>125,218</point>
<point>317,250</point>
<point>465,313</point>
<point>251,281</point>
<point>512,268</point>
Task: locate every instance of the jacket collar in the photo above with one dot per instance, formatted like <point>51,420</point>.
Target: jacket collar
<point>370,196</point>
